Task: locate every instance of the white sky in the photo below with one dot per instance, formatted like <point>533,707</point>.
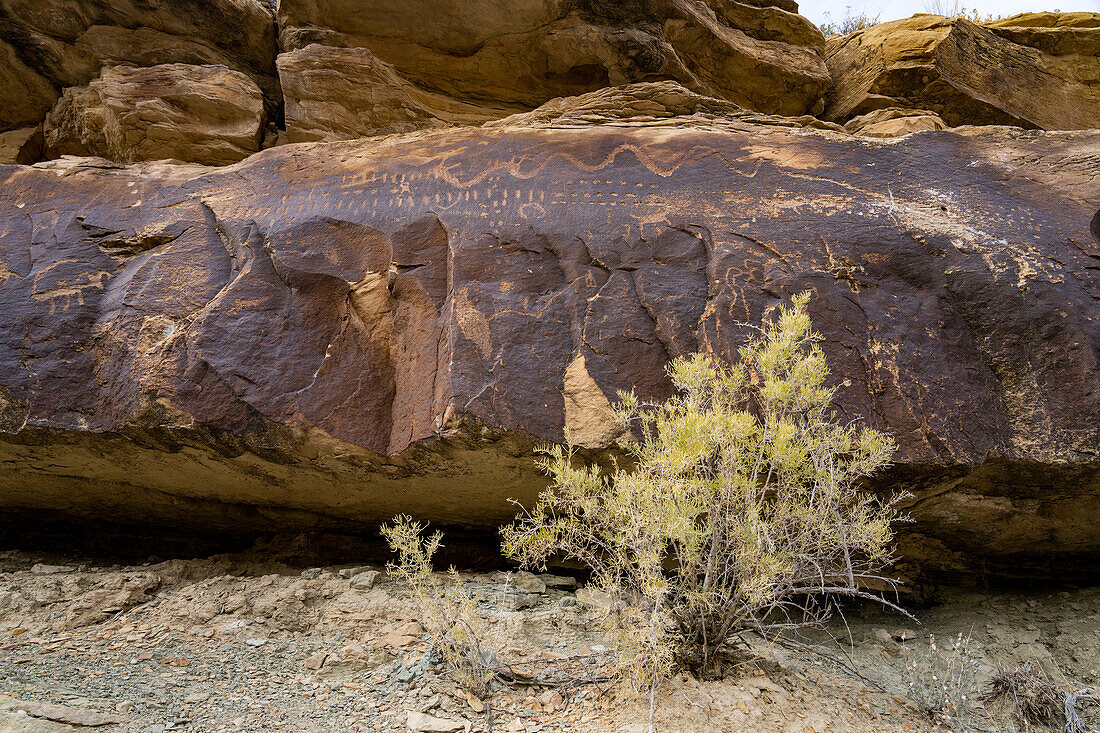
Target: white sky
<point>893,9</point>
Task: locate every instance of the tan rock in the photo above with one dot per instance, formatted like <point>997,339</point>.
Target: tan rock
<point>475,704</point>
<point>641,102</point>
<point>424,723</point>
<point>404,635</point>
<point>20,722</point>
<point>1057,34</point>
<point>63,713</point>
<point>202,114</point>
<point>894,122</point>
<point>22,145</point>
<point>590,421</point>
<point>517,54</point>
<point>68,42</point>
<point>345,93</point>
<point>649,103</point>
<point>315,661</point>
<point>1024,75</point>
<point>764,59</point>
<point>25,95</point>
<point>43,569</point>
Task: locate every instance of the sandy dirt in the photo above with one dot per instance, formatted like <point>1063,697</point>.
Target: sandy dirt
<point>241,643</point>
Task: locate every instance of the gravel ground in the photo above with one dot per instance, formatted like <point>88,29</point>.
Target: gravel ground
<point>239,643</point>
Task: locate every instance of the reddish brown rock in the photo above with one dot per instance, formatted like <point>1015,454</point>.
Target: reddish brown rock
<point>326,334</point>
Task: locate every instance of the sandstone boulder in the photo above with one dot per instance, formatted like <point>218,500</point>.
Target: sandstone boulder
<point>23,145</point>
<point>202,114</point>
<point>1031,76</point>
<point>1056,34</point>
<point>515,55</point>
<point>327,334</point>
<point>641,102</point>
<point>650,103</point>
<point>894,122</point>
<point>344,93</point>
<point>68,42</point>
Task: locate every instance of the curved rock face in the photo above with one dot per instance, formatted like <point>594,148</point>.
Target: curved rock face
<point>203,114</point>
<point>67,42</point>
<point>513,55</point>
<point>1037,70</point>
<point>326,334</point>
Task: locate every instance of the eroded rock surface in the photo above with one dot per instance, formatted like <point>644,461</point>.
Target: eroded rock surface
<point>893,122</point>
<point>515,55</point>
<point>200,114</point>
<point>67,42</point>
<point>329,333</point>
<point>1038,70</point>
<point>345,93</point>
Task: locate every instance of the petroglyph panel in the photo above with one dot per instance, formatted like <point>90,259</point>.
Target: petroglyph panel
<point>382,293</point>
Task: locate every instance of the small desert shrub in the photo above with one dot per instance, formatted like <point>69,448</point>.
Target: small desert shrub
<point>953,9</point>
<point>944,683</point>
<point>1035,700</point>
<point>449,610</point>
<point>742,514</point>
<point>850,23</point>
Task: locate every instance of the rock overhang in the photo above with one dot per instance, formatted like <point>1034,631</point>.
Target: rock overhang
<point>326,334</point>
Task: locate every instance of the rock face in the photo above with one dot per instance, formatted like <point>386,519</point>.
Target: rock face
<point>1039,70</point>
<point>25,95</point>
<point>517,54</point>
<point>23,145</point>
<point>329,333</point>
<point>68,42</point>
<point>201,114</point>
<point>345,93</point>
<point>656,102</point>
<point>893,122</point>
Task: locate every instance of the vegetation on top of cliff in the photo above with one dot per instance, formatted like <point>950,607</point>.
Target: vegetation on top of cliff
<point>850,23</point>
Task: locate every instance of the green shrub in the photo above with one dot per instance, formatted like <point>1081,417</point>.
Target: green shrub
<point>448,610</point>
<point>743,513</point>
<point>850,23</point>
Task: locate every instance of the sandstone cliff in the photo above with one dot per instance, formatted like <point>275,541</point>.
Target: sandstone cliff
<point>389,312</point>
<point>327,333</point>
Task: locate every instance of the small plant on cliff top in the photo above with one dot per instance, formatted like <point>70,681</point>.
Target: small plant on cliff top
<point>742,515</point>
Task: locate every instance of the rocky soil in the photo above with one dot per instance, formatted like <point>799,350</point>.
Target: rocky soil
<point>245,642</point>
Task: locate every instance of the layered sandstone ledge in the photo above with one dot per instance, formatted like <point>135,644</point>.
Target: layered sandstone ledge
<point>328,333</point>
